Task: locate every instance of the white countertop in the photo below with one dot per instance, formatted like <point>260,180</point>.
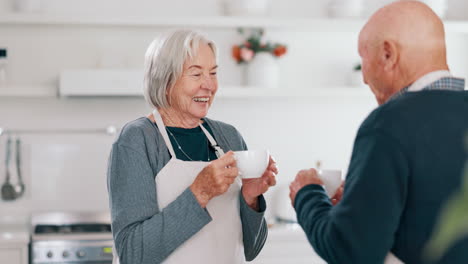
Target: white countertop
<point>286,231</point>
<point>14,230</point>
<point>13,235</point>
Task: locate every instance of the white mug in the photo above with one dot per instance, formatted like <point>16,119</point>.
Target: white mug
<point>252,163</point>
<point>28,6</point>
<point>331,179</point>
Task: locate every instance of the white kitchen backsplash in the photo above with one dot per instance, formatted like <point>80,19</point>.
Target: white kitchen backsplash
<point>67,173</point>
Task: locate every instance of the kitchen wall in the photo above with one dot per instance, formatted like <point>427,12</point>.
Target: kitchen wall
<point>67,172</point>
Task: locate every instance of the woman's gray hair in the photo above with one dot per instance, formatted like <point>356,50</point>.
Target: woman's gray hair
<point>164,62</point>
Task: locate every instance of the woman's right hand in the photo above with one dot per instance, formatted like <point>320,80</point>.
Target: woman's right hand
<point>215,178</point>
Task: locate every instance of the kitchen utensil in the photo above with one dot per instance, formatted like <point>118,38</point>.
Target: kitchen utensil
<point>8,190</point>
<point>19,187</point>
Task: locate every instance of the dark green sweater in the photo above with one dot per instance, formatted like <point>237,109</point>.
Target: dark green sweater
<point>408,158</point>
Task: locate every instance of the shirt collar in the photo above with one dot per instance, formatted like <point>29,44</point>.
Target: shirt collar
<point>436,80</point>
<point>427,79</point>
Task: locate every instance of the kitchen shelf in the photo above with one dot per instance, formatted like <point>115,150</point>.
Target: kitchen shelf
<point>28,91</point>
<point>320,24</point>
<point>254,92</point>
<point>309,24</point>
<point>234,92</point>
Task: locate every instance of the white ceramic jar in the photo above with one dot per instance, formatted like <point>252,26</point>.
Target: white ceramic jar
<point>27,6</point>
<point>345,8</point>
<point>246,7</point>
<point>263,71</point>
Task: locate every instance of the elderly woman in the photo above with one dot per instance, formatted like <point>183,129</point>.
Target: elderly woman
<point>174,189</point>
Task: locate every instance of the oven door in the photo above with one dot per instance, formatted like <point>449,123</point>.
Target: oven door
<point>71,252</point>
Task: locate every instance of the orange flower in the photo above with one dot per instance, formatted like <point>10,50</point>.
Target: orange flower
<point>279,51</point>
<point>236,53</point>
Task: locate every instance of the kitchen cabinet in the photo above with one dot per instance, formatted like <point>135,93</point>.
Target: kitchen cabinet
<point>14,241</point>
<point>14,254</point>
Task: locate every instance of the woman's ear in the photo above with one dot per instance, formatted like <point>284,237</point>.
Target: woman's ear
<point>390,55</point>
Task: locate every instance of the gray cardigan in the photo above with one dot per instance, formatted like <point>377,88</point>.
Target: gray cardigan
<point>142,232</point>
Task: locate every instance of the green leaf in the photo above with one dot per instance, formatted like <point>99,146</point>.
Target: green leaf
<point>452,224</point>
<point>453,221</point>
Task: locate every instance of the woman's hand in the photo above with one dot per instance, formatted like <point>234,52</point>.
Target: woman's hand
<point>215,179</point>
<point>252,188</point>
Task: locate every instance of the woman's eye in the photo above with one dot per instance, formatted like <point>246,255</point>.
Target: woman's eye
<point>196,74</point>
<point>213,73</point>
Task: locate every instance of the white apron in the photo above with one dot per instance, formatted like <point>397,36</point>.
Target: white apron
<point>220,241</point>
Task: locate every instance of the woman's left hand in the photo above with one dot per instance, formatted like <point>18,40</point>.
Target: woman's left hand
<point>252,188</point>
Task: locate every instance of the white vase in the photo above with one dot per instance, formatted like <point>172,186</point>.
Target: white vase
<point>27,6</point>
<point>263,71</point>
<point>246,7</point>
<point>345,8</point>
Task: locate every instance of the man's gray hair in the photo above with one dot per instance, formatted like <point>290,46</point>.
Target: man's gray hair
<point>164,62</point>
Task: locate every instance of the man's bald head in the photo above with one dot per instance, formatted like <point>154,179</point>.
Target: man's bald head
<point>407,40</point>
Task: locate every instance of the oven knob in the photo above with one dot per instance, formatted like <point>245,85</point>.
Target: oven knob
<point>65,254</point>
<point>50,254</point>
<point>80,254</point>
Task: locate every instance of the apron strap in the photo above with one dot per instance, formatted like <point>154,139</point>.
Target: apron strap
<point>162,130</point>
<point>219,151</point>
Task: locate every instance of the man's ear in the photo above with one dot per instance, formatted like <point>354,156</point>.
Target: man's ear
<point>389,55</point>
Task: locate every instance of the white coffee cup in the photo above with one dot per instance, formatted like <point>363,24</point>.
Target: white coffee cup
<point>331,179</point>
<point>252,163</point>
<point>28,6</point>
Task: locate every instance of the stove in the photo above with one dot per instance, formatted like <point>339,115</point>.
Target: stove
<point>71,238</point>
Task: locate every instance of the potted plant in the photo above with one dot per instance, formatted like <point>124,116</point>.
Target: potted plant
<point>259,57</point>
<point>355,76</point>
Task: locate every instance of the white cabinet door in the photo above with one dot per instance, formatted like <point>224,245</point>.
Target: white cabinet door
<point>14,255</point>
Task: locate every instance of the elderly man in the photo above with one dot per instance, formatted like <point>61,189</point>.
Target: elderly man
<point>408,155</point>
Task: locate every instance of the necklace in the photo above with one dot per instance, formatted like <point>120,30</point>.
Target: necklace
<point>183,152</point>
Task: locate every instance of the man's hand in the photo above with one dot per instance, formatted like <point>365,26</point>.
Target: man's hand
<point>303,178</point>
<point>338,194</point>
